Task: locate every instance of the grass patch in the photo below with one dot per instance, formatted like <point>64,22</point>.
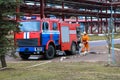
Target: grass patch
<point>96,37</point>
<point>60,71</point>
<point>117,46</point>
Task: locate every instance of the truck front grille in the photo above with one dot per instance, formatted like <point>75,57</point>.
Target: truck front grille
<point>27,42</point>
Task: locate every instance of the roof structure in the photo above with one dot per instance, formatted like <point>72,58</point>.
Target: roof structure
<point>95,12</point>
<point>94,8</point>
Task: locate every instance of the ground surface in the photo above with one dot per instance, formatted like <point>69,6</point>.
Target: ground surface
<point>97,53</point>
<point>70,67</point>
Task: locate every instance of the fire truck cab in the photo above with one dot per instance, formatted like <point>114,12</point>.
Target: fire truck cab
<point>45,37</point>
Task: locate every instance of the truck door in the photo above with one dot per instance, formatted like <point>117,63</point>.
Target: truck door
<point>55,33</point>
<point>45,36</point>
<point>65,37</point>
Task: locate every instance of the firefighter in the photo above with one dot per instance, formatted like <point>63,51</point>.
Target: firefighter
<point>85,39</point>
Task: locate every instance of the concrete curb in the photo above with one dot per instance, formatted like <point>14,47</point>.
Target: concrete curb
<point>116,49</point>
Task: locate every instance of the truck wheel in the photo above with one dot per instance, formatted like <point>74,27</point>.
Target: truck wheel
<point>50,53</point>
<point>24,56</point>
<point>73,48</point>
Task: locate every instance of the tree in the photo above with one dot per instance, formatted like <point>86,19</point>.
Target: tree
<point>7,12</point>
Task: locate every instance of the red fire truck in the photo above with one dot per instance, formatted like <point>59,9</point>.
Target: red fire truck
<point>46,37</point>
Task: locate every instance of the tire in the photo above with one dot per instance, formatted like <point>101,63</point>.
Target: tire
<point>24,56</point>
<point>73,49</point>
<point>50,53</point>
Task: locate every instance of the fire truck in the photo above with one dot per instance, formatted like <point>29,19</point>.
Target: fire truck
<point>48,37</point>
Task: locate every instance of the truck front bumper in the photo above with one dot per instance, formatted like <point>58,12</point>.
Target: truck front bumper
<point>30,49</point>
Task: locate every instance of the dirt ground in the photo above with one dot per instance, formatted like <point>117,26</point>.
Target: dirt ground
<point>95,54</point>
<point>99,53</point>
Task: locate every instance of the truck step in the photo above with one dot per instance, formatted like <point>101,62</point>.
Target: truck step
<point>58,52</point>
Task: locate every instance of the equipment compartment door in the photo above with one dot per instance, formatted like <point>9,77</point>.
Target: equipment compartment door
<point>65,38</point>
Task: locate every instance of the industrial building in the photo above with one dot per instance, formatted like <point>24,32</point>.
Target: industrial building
<point>95,16</point>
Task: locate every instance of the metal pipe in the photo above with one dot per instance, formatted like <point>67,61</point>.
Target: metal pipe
<point>42,9</point>
<point>62,11</point>
<point>113,55</point>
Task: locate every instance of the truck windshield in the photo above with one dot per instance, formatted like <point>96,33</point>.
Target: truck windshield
<point>29,26</point>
